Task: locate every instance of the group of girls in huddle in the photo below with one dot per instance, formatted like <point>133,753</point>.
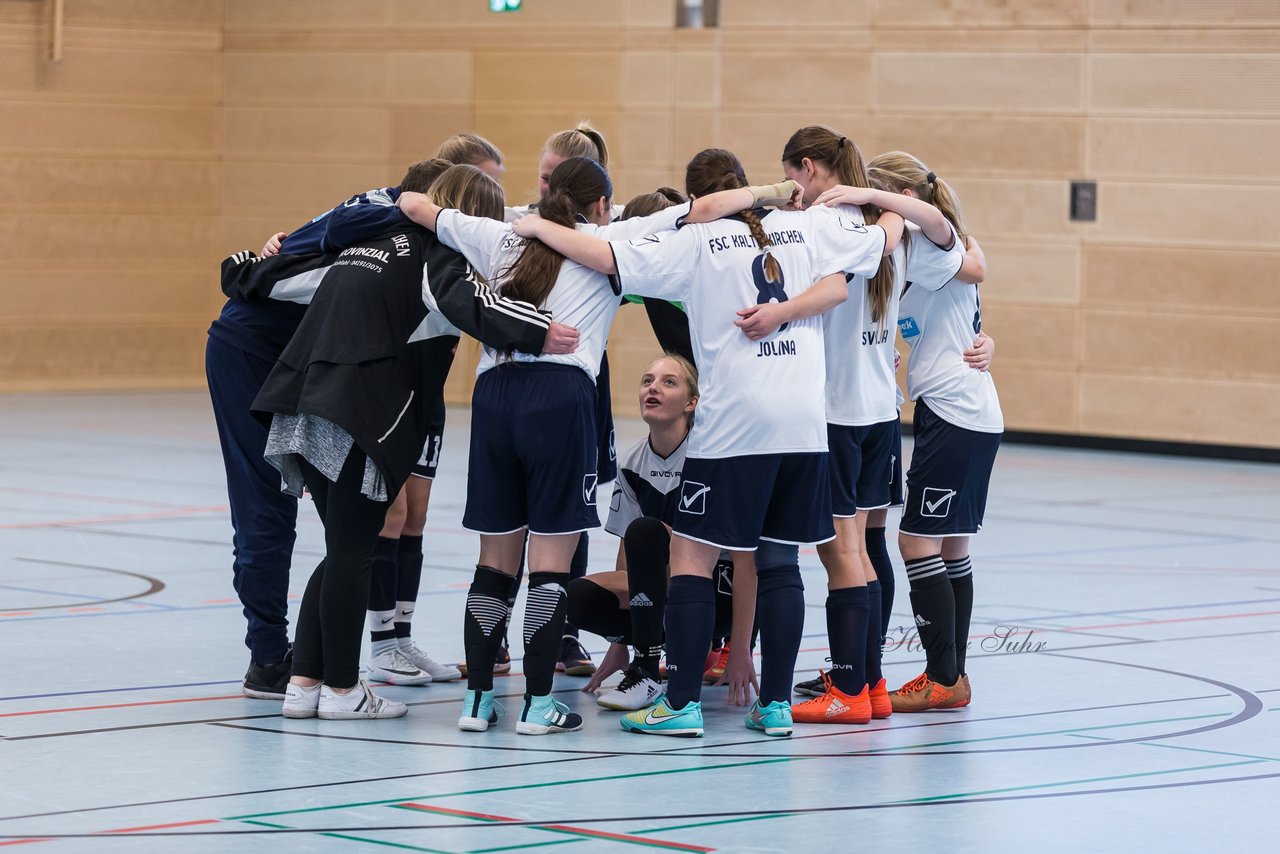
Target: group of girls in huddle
<point>784,435</point>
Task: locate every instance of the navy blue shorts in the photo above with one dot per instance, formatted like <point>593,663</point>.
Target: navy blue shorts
<point>895,485</point>
<point>948,479</point>
<point>427,464</point>
<point>735,502</point>
<point>533,451</point>
<point>861,460</point>
<point>608,452</point>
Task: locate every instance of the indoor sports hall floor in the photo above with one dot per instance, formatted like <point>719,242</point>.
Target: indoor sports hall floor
<point>1127,692</point>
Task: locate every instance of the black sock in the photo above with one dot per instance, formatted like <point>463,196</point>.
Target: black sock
<point>848,617</point>
<point>934,606</point>
<point>691,609</point>
<point>960,573</point>
<point>597,610</point>
<point>516,581</point>
<point>780,613</point>
<point>647,545</point>
<point>578,569</point>
<point>485,625</point>
<point>722,577</point>
<point>874,673</point>
<point>408,578</point>
<point>878,552</point>
<point>382,590</point>
<point>543,628</point>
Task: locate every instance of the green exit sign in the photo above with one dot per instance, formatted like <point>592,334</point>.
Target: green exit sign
<point>505,5</point>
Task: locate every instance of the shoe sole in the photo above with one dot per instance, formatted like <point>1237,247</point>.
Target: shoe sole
<point>299,714</point>
<point>523,728</point>
<point>807,692</point>
<point>263,694</point>
<point>833,720</point>
<point>358,716</point>
<point>678,733</point>
<point>771,730</point>
<point>451,676</point>
<point>497,668</point>
<point>618,707</point>
<point>473,724</point>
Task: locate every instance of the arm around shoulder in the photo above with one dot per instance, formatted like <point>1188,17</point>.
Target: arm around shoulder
<point>973,269</point>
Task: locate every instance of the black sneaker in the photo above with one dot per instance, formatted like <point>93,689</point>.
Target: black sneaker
<point>268,681</point>
<point>574,660</point>
<point>811,687</point>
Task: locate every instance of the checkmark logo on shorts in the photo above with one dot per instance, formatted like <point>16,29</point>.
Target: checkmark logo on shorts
<point>936,502</point>
<point>693,497</point>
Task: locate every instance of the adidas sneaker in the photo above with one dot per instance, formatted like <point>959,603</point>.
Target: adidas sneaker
<point>636,691</point>
<point>358,704</point>
<point>545,715</point>
<point>300,702</point>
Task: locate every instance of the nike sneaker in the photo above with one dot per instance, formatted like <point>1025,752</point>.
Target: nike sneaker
<point>661,719</point>
<point>418,658</point>
<point>395,668</point>
<point>771,719</point>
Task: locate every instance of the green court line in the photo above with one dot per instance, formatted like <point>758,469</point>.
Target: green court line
<point>1207,750</point>
<point>355,838</point>
<point>936,798</point>
<point>394,801</point>
<point>1069,731</point>
<point>529,845</point>
<point>738,820</point>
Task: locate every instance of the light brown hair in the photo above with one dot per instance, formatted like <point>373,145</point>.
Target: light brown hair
<point>470,148</point>
<point>581,141</point>
<point>421,175</point>
<point>841,156</point>
<point>715,169</point>
<point>650,203</point>
<point>895,171</point>
<point>469,190</point>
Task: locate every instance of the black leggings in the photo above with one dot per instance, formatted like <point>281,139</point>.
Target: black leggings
<point>326,645</point>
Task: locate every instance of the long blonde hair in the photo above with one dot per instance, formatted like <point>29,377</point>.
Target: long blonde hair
<point>895,171</point>
<point>581,141</point>
<point>841,156</point>
<point>470,148</point>
<point>469,190</point>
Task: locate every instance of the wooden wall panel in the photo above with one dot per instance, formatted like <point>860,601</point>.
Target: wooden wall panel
<point>176,131</point>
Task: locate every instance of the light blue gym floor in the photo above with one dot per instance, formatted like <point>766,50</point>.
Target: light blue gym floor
<point>1123,660</point>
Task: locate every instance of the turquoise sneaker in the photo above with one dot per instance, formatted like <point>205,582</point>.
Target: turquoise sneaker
<point>479,709</point>
<point>773,719</point>
<point>661,719</point>
<point>546,715</point>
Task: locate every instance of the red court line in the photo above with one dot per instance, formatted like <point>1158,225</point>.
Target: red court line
<point>1162,622</point>
<point>121,706</point>
<point>16,613</point>
<point>169,826</point>
<point>562,828</point>
<point>22,841</point>
<point>135,517</point>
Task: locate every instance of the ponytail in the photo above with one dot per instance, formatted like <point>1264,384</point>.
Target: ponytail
<point>575,185</point>
<point>581,141</point>
<point>896,171</point>
<point>714,169</point>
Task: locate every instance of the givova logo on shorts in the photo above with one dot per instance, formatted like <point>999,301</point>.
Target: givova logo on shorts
<point>693,497</point>
<point>936,502</point>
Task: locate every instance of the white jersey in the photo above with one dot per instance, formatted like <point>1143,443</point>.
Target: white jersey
<point>862,386</point>
<point>647,485</point>
<point>581,298</point>
<point>939,323</point>
<point>758,397</point>
<point>511,214</point>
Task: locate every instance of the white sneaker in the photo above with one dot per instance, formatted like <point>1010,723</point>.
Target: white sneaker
<point>301,702</point>
<point>635,691</point>
<point>439,672</point>
<point>395,668</point>
<point>359,704</point>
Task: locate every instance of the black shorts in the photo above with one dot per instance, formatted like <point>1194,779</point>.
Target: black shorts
<point>427,464</point>
<point>607,468</point>
<point>948,479</point>
<point>533,451</point>
<point>735,502</point>
<point>862,463</point>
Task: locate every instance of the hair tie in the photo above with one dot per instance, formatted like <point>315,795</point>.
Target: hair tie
<point>931,178</point>
<point>840,144</point>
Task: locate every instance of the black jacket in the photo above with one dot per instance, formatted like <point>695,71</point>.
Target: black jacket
<point>375,346</point>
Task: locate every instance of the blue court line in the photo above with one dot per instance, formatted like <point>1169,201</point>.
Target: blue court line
<point>77,596</point>
<point>121,690</point>
<point>1142,610</point>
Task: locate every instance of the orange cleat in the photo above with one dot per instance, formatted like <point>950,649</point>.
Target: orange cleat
<point>881,707</point>
<point>923,694</point>
<point>717,663</point>
<point>834,706</point>
<point>968,692</point>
